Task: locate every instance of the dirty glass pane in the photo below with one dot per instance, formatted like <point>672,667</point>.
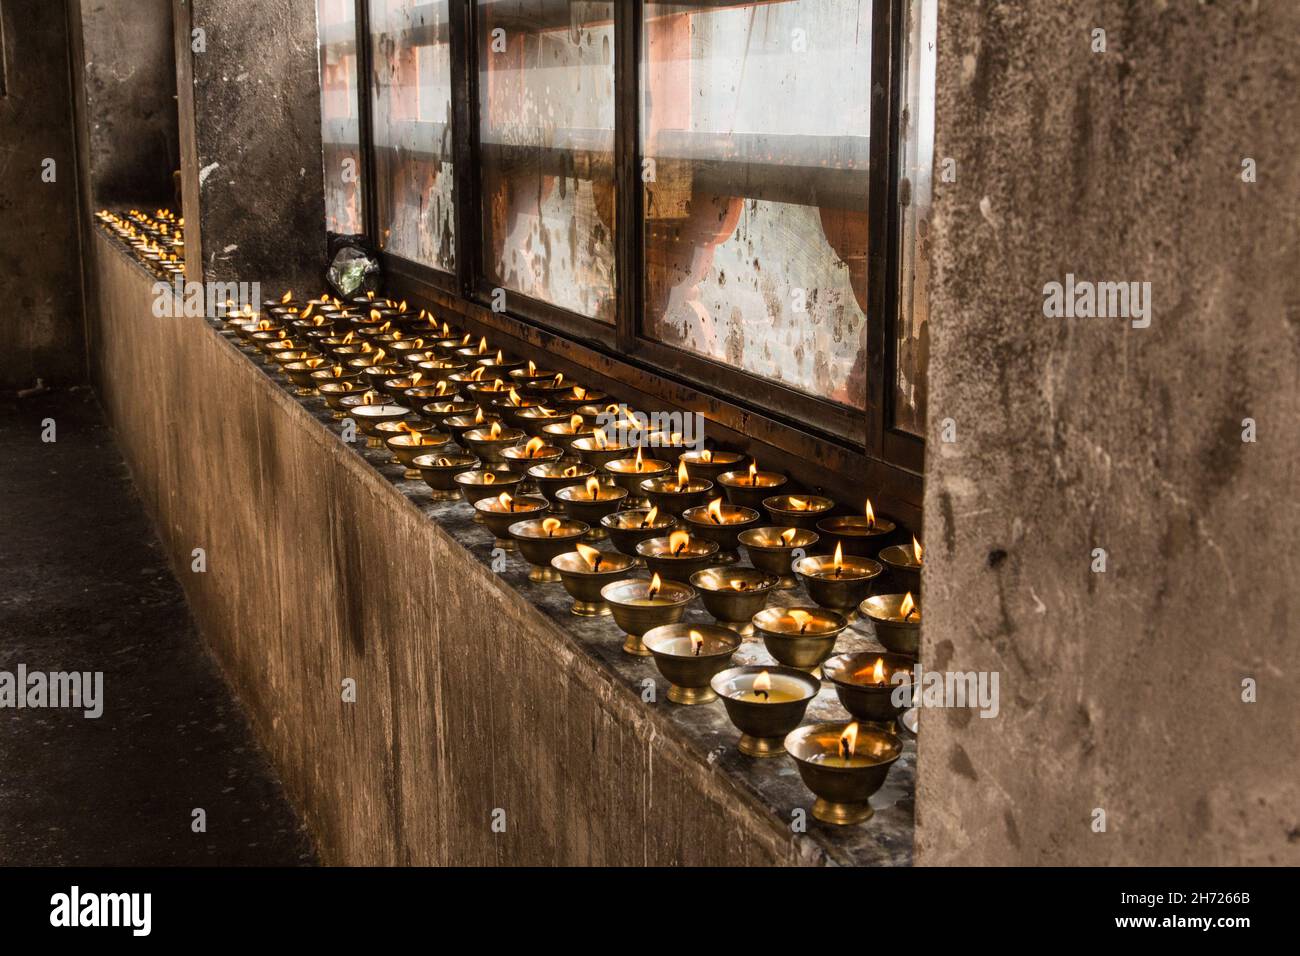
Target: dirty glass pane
<point>546,91</point>
<point>917,135</point>
<point>755,122</point>
<point>340,132</point>
<point>411,85</point>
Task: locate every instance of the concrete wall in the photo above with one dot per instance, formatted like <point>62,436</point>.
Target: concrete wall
<point>130,89</point>
<point>40,260</point>
<point>1120,690</point>
<point>469,698</point>
<point>249,108</point>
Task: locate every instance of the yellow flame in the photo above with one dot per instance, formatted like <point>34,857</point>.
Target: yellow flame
<point>514,398</point>
<point>787,536</point>
<point>575,422</point>
<point>849,740</point>
<point>753,472</point>
<point>477,374</point>
<point>374,315</point>
<point>401,306</point>
<point>798,504</point>
<point>287,297</point>
<point>489,478</point>
<point>683,476</point>
<point>591,555</point>
<point>878,672</point>
<point>482,345</point>
<point>706,457</point>
<point>478,416</point>
<point>650,516</point>
<point>550,526</point>
<point>601,441</point>
<point>762,683</point>
<point>655,586</point>
<point>871,515</point>
<point>570,472</point>
<point>507,503</point>
<point>579,392</point>
<point>908,607</point>
<point>640,463</point>
<point>495,431</point>
<point>532,367</point>
<point>715,510</point>
<point>500,358</point>
<point>839,557</point>
<point>917,550</point>
<point>801,617</point>
<point>678,541</point>
<point>533,447</point>
<point>697,643</point>
<point>593,487</point>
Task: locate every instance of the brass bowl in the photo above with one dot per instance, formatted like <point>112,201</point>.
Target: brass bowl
<point>550,477</point>
<point>624,474</point>
<point>672,497</point>
<point>300,374</point>
<point>764,723</point>
<point>768,552</point>
<point>895,634</point>
<point>406,448</point>
<point>806,648</point>
<point>841,592</point>
<point>498,520</point>
<point>539,547</point>
<point>904,571</point>
<point>477,485</point>
<point>439,412</point>
<point>734,607</point>
<point>690,674</point>
<point>481,442</point>
<point>584,583</point>
<point>736,518</point>
<point>696,556</point>
<point>589,449</point>
<point>335,392</point>
<point>333,372</point>
<point>369,417</point>
<point>574,501</point>
<point>534,420</point>
<point>458,425</point>
<point>843,793</point>
<point>635,612</point>
<point>512,413</point>
<point>854,534</point>
<point>862,698</point>
<point>782,510</point>
<point>439,473</point>
<point>627,530</point>
<point>722,461</point>
<point>562,435</point>
<point>519,459</point>
<point>739,491</point>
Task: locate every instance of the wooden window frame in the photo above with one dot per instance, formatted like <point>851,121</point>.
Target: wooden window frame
<point>851,451</point>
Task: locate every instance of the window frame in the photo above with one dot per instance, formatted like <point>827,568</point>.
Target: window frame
<point>860,444</point>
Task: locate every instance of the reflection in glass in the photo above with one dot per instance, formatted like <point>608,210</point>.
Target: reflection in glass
<point>755,119</point>
<point>411,83</point>
<point>340,130</point>
<point>917,137</point>
<point>546,134</point>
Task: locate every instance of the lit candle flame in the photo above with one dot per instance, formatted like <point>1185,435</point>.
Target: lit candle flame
<point>532,367</point>
<point>753,473</point>
<point>798,504</point>
<point>477,374</point>
<point>715,510</point>
<point>401,306</point>
<point>683,476</point>
<point>591,555</point>
<point>489,478</point>
<point>871,515</point>
<point>500,358</point>
<point>908,607</point>
<point>593,487</point>
<point>878,672</point>
<point>917,550</point>
<point>374,315</point>
<point>478,416</point>
<point>286,298</point>
<point>787,536</point>
<point>514,398</point>
<point>640,463</point>
<point>601,441</point>
<point>763,685</point>
<point>650,516</point>
<point>697,643</point>
<point>550,526</point>
<point>678,541</point>
<point>579,392</point>
<point>533,447</point>
<point>849,740</point>
<point>506,501</point>
<point>482,346</point>
<point>801,617</point>
<point>839,558</point>
<point>571,472</point>
<point>706,457</point>
<point>655,586</point>
<point>495,431</point>
<point>559,379</point>
<point>575,422</point>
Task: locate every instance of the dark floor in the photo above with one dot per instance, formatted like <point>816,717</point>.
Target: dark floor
<point>84,586</point>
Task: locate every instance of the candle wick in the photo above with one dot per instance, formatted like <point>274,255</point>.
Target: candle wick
<point>909,613</point>
<point>844,749</point>
<point>765,694</point>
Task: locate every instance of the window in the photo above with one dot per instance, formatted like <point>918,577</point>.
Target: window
<point>546,143</point>
<point>340,116</point>
<point>755,117</point>
<point>917,137</point>
<point>410,54</point>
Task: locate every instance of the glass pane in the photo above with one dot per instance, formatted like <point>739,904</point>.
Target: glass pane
<point>546,132</point>
<point>411,66</point>
<point>913,346</point>
<point>340,130</point>
<point>755,118</point>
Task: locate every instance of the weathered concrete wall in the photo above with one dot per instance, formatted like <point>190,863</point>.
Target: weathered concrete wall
<point>130,88</point>
<point>249,108</point>
<point>1120,690</point>
<point>40,260</point>
<point>469,698</point>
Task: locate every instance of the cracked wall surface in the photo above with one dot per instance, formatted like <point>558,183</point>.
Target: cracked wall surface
<point>1120,690</point>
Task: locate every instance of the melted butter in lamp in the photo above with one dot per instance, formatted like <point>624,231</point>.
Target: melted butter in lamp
<point>762,691</point>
